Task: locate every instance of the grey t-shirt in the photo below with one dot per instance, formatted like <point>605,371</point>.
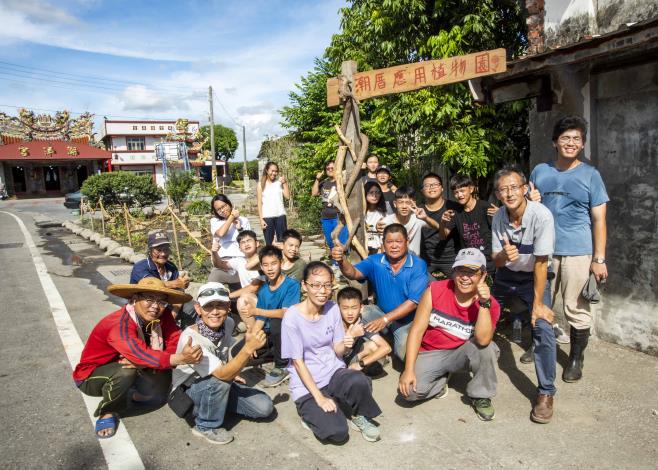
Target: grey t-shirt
<point>535,236</point>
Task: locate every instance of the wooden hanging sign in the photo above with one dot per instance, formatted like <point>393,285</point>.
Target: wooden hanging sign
<point>419,75</point>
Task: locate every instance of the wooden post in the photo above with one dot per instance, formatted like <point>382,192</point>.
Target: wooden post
<point>125,216</point>
<point>350,128</point>
<point>102,216</point>
<point>173,227</point>
<point>91,220</point>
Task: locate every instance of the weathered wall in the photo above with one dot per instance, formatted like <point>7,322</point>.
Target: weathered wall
<point>627,149</point>
<point>568,21</point>
<point>622,108</point>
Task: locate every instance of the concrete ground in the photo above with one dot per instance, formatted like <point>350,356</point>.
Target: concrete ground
<point>608,420</point>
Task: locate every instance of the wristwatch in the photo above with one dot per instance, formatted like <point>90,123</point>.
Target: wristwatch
<point>485,303</point>
<point>362,364</point>
<point>598,260</point>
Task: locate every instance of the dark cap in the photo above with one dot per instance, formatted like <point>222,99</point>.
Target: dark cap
<point>157,239</point>
<point>383,168</point>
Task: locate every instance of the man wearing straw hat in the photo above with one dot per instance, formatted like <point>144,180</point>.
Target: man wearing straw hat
<point>133,347</point>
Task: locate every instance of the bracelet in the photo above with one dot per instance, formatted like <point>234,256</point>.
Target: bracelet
<point>385,319</point>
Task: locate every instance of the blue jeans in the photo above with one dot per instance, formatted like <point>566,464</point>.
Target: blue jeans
<point>509,284</point>
<point>213,398</point>
<point>399,330</point>
<point>328,226</point>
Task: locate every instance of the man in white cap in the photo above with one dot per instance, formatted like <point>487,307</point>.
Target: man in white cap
<point>213,387</point>
<point>453,328</point>
<point>133,347</point>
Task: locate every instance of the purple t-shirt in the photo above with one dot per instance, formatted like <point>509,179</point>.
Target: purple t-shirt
<point>314,342</point>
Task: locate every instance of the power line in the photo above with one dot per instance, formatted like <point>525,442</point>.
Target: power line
<point>78,77</point>
<point>85,86</point>
<point>227,113</point>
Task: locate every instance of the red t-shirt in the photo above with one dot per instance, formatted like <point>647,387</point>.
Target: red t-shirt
<point>451,325</point>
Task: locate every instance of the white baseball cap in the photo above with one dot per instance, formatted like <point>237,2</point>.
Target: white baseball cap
<point>212,292</point>
<point>471,258</point>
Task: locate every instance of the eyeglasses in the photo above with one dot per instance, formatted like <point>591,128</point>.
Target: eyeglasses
<point>153,301</point>
<point>213,291</point>
<point>329,168</point>
<point>467,272</point>
<point>566,139</point>
<point>317,286</point>
<point>431,185</point>
<point>162,249</point>
<point>509,189</point>
<point>374,193</point>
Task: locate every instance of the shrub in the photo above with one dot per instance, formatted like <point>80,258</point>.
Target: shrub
<point>178,185</point>
<point>198,207</point>
<point>134,189</point>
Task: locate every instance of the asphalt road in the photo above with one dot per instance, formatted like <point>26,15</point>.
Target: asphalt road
<point>609,420</point>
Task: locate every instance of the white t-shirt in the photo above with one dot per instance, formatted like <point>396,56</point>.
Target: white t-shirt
<point>229,246</point>
<point>272,199</point>
<point>414,229</point>
<point>246,275</point>
<point>373,238</point>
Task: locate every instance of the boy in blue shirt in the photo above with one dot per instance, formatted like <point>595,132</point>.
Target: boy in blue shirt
<point>274,298</point>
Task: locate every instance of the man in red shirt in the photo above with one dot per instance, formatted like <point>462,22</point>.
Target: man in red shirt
<point>453,328</point>
<point>133,347</point>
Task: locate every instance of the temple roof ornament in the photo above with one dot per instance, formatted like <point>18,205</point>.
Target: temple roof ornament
<point>28,126</point>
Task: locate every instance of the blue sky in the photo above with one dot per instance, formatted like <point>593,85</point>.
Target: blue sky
<point>161,56</point>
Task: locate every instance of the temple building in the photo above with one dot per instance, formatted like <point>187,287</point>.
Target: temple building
<point>43,155</point>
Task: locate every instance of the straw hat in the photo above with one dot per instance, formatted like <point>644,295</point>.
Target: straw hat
<point>149,285</point>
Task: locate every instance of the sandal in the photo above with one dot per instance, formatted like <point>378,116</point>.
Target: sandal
<point>111,422</point>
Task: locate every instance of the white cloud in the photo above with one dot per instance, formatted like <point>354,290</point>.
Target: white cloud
<point>251,79</point>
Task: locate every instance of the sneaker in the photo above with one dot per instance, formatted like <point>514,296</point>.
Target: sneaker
<point>444,391</point>
<point>368,430</point>
<point>275,377</point>
<point>517,331</point>
<point>560,335</point>
<point>214,436</point>
<point>483,408</point>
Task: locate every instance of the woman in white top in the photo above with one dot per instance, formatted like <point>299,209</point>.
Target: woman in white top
<point>270,192</point>
<point>225,225</point>
<point>376,210</point>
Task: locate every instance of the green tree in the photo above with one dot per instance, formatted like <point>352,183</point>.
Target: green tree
<point>226,143</point>
<point>178,186</point>
<point>415,131</point>
<point>119,187</point>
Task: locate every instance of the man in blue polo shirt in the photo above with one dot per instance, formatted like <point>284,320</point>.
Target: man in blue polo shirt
<point>157,265</point>
<point>399,280</point>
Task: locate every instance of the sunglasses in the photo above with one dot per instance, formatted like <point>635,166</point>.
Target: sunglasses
<point>211,291</point>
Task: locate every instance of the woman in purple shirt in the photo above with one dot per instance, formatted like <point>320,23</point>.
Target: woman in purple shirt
<point>312,339</point>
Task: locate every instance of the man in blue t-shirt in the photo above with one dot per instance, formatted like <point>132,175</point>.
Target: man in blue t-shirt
<point>399,280</point>
<point>274,298</point>
<point>576,196</point>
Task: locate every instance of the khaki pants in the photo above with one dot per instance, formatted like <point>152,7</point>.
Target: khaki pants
<point>571,275</point>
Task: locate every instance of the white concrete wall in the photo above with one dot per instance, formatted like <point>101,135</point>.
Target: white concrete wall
<point>569,21</point>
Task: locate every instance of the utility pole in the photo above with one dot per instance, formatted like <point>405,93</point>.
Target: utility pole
<point>245,175</point>
<point>211,118</point>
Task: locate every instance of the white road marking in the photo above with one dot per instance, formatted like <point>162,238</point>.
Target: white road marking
<point>119,451</point>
